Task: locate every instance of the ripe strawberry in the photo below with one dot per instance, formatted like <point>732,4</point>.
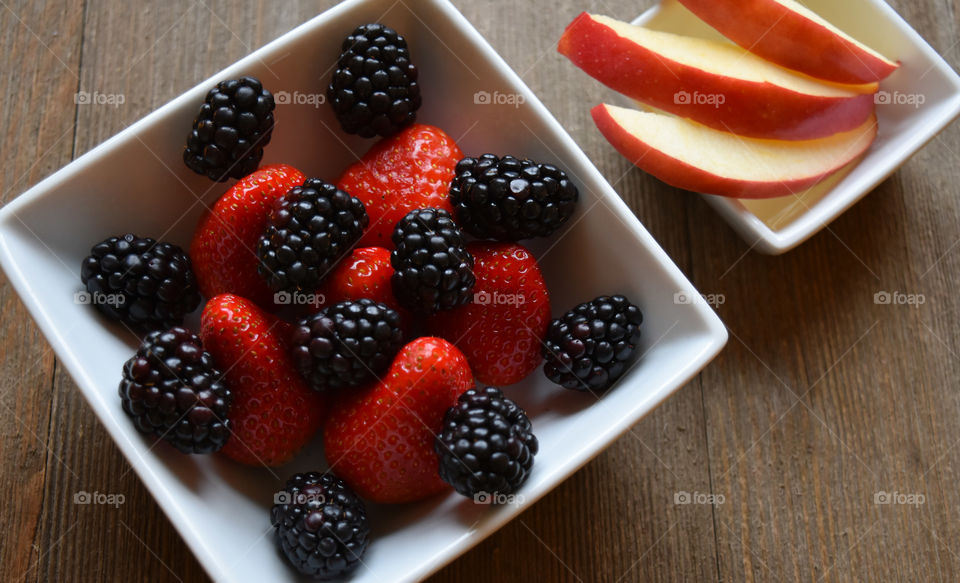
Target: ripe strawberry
<point>501,331</point>
<point>410,170</point>
<point>365,273</point>
<point>274,413</point>
<point>224,246</point>
<point>380,439</point>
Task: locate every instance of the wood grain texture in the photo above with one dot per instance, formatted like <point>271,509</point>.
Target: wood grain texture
<point>41,52</point>
<point>821,401</point>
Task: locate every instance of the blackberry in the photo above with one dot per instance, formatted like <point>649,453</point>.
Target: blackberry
<point>321,525</point>
<point>144,283</point>
<point>346,344</point>
<point>589,347</point>
<point>486,445</point>
<point>307,233</point>
<point>374,89</point>
<point>508,199</point>
<point>173,390</point>
<point>231,130</point>
<point>433,270</point>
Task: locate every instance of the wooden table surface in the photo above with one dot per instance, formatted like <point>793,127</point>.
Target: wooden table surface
<point>822,401</point>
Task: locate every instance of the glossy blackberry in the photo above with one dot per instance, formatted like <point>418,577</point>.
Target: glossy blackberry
<point>321,525</point>
<point>590,346</point>
<point>172,389</point>
<point>433,270</point>
<point>374,89</point>
<point>486,446</point>
<point>307,233</point>
<point>231,130</point>
<point>144,283</point>
<point>510,199</point>
<point>346,344</point>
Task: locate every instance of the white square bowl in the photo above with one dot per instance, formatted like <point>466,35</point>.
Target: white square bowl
<point>136,182</point>
<point>775,226</point>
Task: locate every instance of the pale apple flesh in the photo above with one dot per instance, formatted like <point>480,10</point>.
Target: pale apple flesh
<point>700,159</point>
<point>714,83</point>
<point>791,35</point>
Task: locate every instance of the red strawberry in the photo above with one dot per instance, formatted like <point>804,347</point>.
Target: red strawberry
<point>501,331</point>
<point>410,170</point>
<point>274,413</point>
<point>224,246</point>
<point>365,273</point>
<point>380,439</point>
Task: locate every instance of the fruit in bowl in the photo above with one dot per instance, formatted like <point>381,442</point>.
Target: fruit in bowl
<point>791,35</point>
<point>218,505</point>
<point>500,330</point>
<point>735,120</point>
<point>379,439</point>
<point>410,170</point>
<point>713,83</point>
<point>724,162</point>
<point>395,355</point>
<point>221,244</point>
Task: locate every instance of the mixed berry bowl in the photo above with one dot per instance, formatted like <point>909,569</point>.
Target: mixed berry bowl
<point>221,508</point>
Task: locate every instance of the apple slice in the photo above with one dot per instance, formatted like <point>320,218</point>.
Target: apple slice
<point>715,83</point>
<point>697,158</point>
<point>793,36</point>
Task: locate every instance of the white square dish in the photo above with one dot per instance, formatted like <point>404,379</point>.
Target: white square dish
<point>775,226</point>
<point>137,182</point>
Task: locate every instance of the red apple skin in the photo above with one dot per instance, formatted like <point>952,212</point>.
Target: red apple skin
<point>750,109</point>
<point>771,30</point>
<point>680,174</point>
